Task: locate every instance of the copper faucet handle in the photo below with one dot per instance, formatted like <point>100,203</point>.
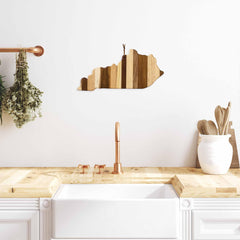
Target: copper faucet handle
<point>99,167</point>
<point>79,166</point>
<point>83,167</point>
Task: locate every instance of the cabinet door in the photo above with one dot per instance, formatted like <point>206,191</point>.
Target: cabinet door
<point>19,225</point>
<point>216,224</point>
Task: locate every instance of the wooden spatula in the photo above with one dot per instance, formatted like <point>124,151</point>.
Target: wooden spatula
<point>219,116</point>
<point>226,119</point>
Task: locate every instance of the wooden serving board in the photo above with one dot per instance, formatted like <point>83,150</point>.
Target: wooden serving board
<point>133,71</point>
<point>232,140</point>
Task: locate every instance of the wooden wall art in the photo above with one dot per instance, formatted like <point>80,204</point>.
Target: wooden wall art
<point>133,71</point>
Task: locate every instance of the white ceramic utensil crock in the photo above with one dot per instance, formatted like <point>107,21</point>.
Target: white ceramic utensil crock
<point>215,153</point>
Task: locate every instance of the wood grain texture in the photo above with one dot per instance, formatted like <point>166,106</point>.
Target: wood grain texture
<point>133,71</point>
<point>207,186</point>
<point>124,71</point>
<point>188,182</point>
<point>142,71</point>
<point>113,83</point>
<point>232,140</point>
<point>235,160</point>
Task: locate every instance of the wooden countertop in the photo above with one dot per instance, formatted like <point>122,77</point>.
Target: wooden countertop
<point>188,182</point>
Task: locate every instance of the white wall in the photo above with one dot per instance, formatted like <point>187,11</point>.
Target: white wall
<point>196,43</point>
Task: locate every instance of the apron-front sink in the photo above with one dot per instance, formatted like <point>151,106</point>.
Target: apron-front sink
<point>115,211</point>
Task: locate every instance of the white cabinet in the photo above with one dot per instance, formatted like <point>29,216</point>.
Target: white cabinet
<point>200,219</point>
<point>210,219</point>
<point>19,219</point>
<point>216,224</point>
<point>19,225</point>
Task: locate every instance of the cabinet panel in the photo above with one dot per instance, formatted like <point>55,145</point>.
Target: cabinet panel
<point>19,225</point>
<point>216,224</point>
<point>106,219</point>
<point>114,239</point>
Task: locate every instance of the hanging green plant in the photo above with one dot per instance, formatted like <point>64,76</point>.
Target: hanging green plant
<point>2,95</point>
<point>22,100</point>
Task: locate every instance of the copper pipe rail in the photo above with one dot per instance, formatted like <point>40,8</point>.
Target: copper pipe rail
<point>37,50</point>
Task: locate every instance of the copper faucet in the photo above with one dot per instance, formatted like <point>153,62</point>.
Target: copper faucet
<point>117,165</point>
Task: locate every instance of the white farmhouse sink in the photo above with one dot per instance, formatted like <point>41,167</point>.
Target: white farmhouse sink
<point>115,211</point>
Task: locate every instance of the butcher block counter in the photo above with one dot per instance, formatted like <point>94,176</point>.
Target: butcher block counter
<point>188,182</point>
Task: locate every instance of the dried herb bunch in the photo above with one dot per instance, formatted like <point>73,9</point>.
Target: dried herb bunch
<point>2,95</point>
<point>22,100</point>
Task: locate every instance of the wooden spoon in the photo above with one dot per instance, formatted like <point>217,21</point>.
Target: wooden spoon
<point>210,128</point>
<point>219,116</point>
<point>201,126</point>
<point>207,127</point>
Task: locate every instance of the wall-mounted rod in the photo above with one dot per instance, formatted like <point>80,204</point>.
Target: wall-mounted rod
<point>37,50</point>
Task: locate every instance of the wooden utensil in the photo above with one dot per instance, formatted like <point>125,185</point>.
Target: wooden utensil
<point>207,127</point>
<point>201,126</point>
<point>210,128</point>
<point>226,119</point>
<point>219,116</point>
